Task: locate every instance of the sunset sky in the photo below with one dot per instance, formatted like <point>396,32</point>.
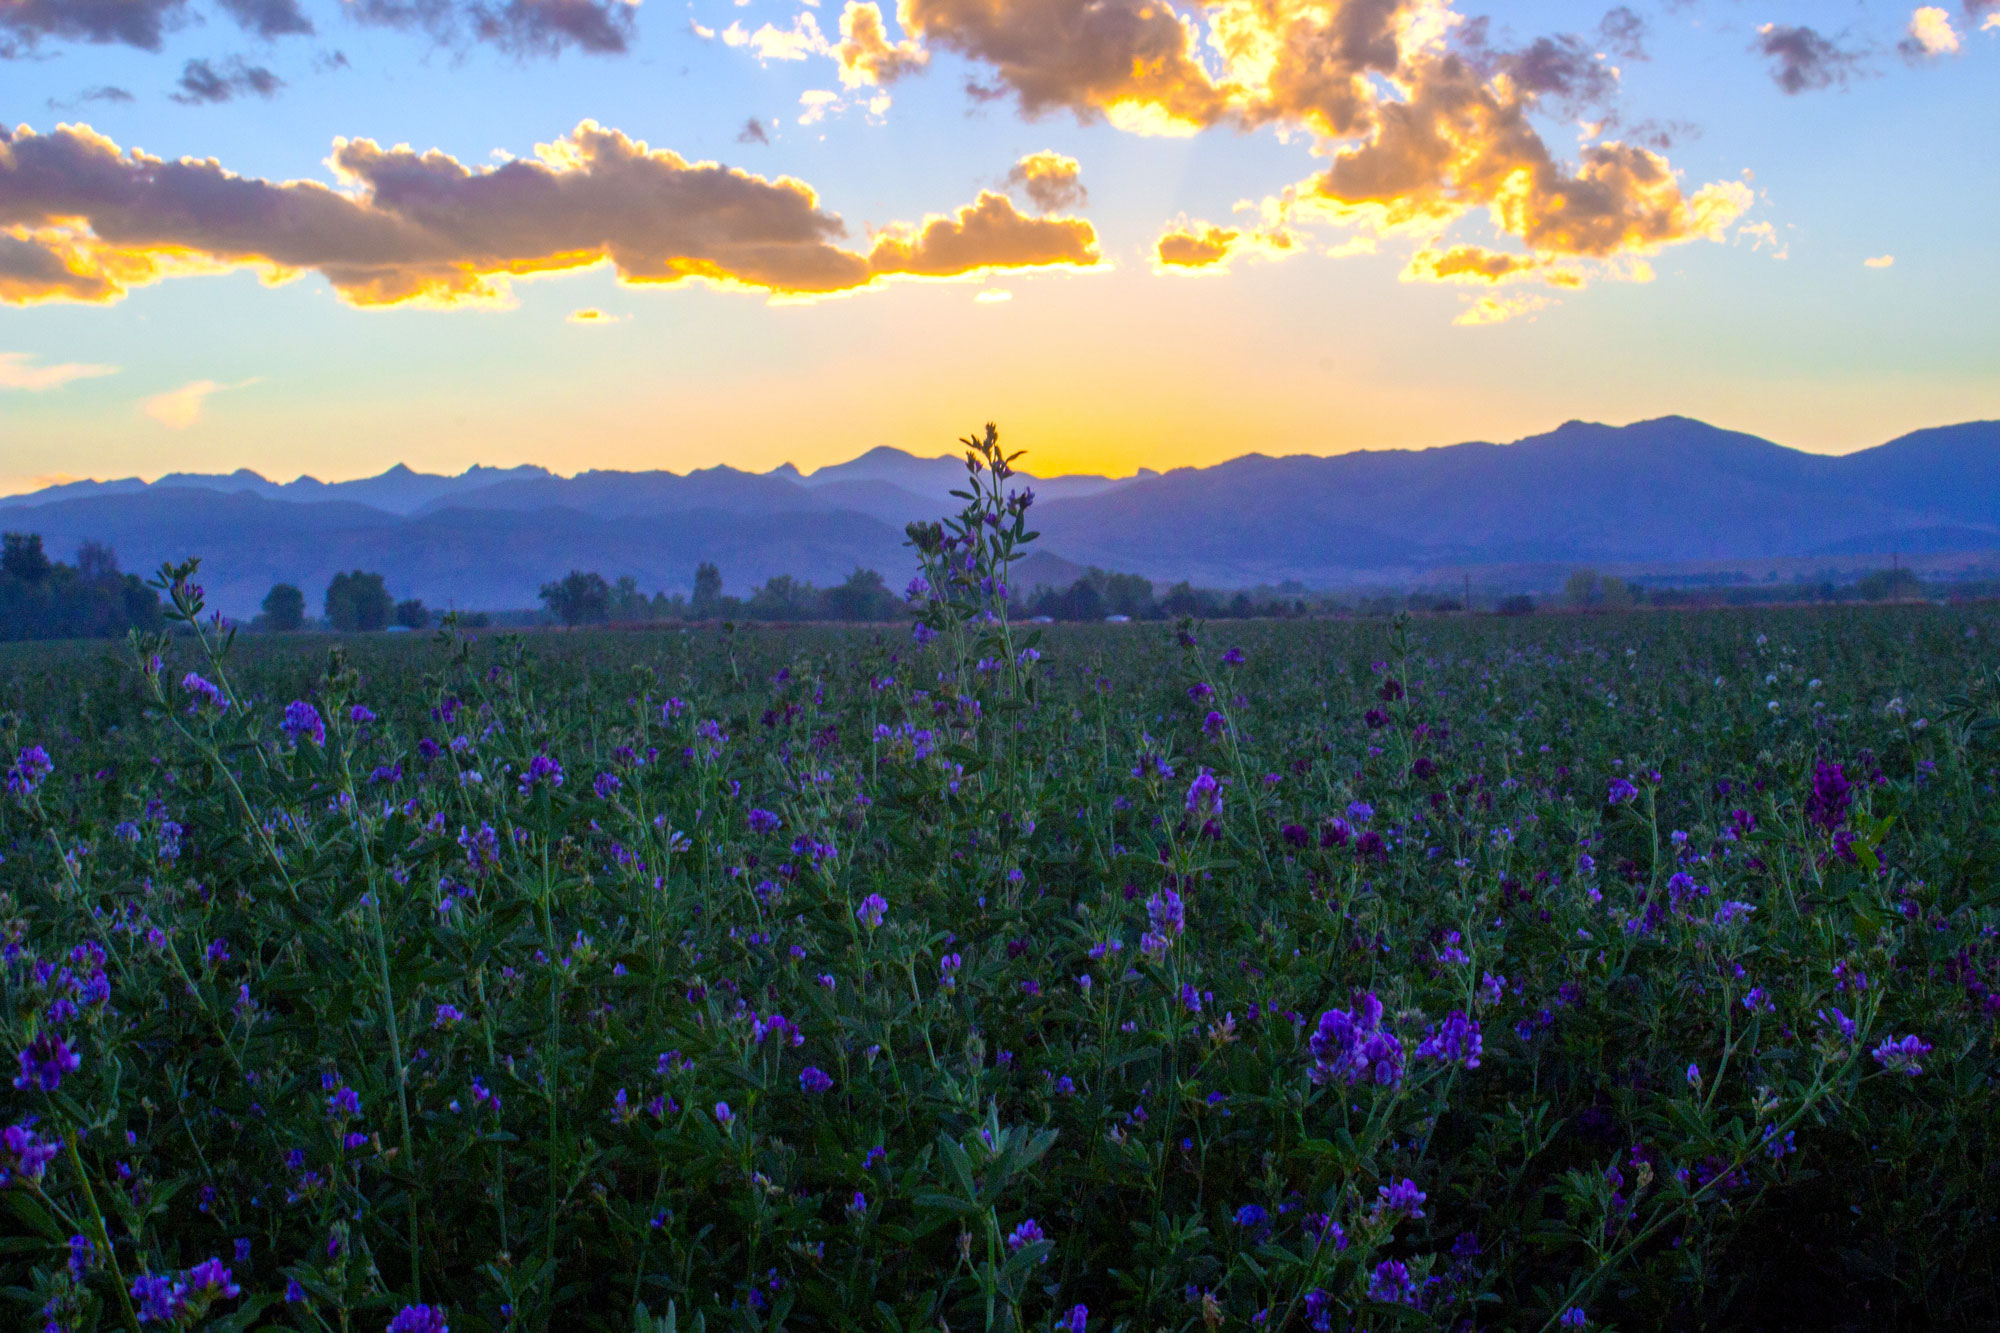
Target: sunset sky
<point>326,236</point>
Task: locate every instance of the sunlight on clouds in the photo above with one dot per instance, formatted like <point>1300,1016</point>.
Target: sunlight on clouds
<point>992,296</point>
<point>17,372</point>
<point>1931,34</point>
<point>1880,261</point>
<point>1501,309</point>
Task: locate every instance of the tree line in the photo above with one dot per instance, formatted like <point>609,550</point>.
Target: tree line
<point>42,598</point>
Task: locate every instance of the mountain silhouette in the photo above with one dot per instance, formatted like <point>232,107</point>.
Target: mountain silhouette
<point>1660,492</point>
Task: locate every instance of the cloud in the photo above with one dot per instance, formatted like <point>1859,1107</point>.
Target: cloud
<point>24,24</point>
<point>1050,180</point>
<point>105,92</point>
<point>1802,59</point>
<point>1624,32</point>
<point>1459,143</point>
<point>590,317</point>
<point>1475,264</point>
<point>986,234</point>
<point>753,131</point>
<point>992,296</point>
<point>177,409</point>
<point>520,27</point>
<point>1989,9</point>
<point>1203,247</point>
<point>269,18</point>
<point>201,84</point>
<point>1929,35</point>
<point>866,54</point>
<point>1880,261</point>
<point>16,372</point>
<point>81,219</point>
<point>1500,309</point>
<point>770,43</point>
<point>1423,121</point>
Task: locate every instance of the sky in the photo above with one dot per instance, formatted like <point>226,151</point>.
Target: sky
<point>327,236</point>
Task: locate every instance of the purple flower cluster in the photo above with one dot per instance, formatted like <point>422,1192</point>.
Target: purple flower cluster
<point>1455,1041</point>
<point>25,1154</point>
<point>44,1062</point>
<point>1902,1055</point>
<point>420,1319</point>
<point>541,769</point>
<point>32,767</point>
<point>1827,803</point>
<point>302,721</point>
<point>763,821</point>
<point>204,690</point>
<point>1166,916</point>
<point>1351,1046</point>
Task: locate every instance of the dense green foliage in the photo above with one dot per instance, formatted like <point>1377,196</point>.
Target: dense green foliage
<point>358,600</point>
<point>826,979</point>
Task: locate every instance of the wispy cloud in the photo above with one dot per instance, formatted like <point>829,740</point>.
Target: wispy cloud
<point>177,409</point>
<point>18,372</point>
<point>1880,261</point>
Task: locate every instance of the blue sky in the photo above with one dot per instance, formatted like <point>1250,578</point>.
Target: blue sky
<point>1309,335</point>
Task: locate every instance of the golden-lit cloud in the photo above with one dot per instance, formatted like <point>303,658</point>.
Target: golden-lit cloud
<point>590,317</point>
<point>81,219</point>
<point>177,409</point>
<point>1422,121</point>
<point>1497,309</point>
<point>866,54</point>
<point>18,371</point>
<point>1203,247</point>
<point>992,296</point>
<point>1929,35</point>
<point>1050,180</point>
<point>1880,261</point>
<point>987,234</point>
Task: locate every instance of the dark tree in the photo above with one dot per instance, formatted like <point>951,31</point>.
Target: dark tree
<point>284,607</point>
<point>865,596</point>
<point>707,589</point>
<point>578,599</point>
<point>412,614</point>
<point>358,601</point>
<point>41,599</point>
<point>24,559</point>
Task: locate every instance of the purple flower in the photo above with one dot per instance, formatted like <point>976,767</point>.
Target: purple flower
<point>606,785</point>
<point>24,1153</point>
<point>1834,1018</point>
<point>361,715</point>
<point>447,1015</point>
<point>1075,1320</point>
<point>1167,917</point>
<point>1391,1283</point>
<point>159,1298</point>
<point>1028,1233</point>
<point>723,1115</point>
<point>45,1061</point>
<point>1621,792</point>
<point>1215,723</point>
<point>1204,795</point>
<point>82,1256</point>
<point>1360,812</point>
<point>302,720</point>
<point>205,689</point>
<point>1826,806</point>
<point>763,821</point>
<point>211,1279</point>
<point>1234,657</point>
<point>814,1079</point>
<point>1402,1197</point>
<point>1900,1055</point>
<point>1455,1041</point>
<point>419,1319</point>
<point>1351,1046</point>
<point>31,766</point>
<point>541,769</point>
<point>871,911</point>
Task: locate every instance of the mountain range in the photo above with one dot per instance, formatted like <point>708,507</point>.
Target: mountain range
<point>1660,492</point>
